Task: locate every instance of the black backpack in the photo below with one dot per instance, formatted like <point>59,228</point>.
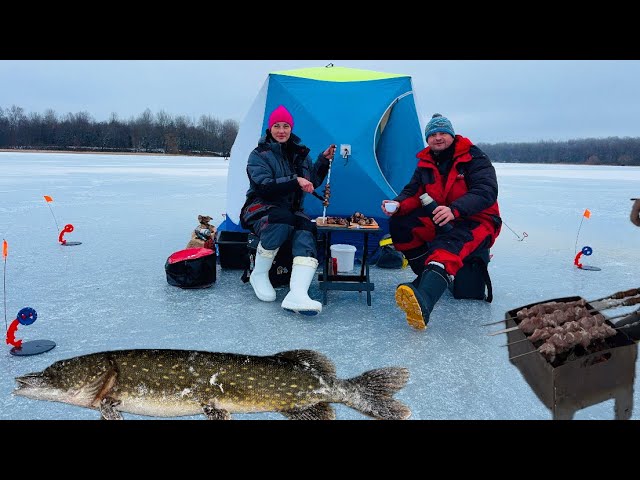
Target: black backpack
<point>280,272</point>
<point>472,280</point>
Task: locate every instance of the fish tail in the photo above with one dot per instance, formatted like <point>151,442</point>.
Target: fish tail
<point>373,393</point>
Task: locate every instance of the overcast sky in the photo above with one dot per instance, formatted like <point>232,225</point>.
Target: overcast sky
<point>486,100</point>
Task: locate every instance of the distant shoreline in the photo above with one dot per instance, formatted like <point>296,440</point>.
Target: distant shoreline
<point>16,150</point>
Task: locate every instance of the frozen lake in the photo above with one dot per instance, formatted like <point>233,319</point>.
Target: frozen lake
<point>132,212</point>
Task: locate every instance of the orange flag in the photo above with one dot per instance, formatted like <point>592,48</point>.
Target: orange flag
<point>48,199</point>
<point>587,213</point>
<point>5,249</point>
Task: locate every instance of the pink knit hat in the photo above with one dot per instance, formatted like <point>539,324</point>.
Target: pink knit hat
<point>280,114</point>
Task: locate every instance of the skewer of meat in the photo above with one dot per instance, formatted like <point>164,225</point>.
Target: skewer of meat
<point>559,343</point>
<point>623,303</point>
<point>533,310</point>
<point>530,324</point>
<point>586,322</point>
<point>543,333</point>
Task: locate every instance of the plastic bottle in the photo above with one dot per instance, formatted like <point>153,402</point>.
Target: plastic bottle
<point>430,204</point>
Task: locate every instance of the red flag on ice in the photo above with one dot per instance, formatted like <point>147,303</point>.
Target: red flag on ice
<point>48,199</point>
<point>587,213</point>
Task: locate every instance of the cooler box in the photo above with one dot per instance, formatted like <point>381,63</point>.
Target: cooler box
<point>191,268</point>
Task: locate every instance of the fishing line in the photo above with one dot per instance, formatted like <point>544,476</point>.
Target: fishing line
<point>51,210</point>
<point>586,214</point>
<point>5,249</point>
<point>524,234</point>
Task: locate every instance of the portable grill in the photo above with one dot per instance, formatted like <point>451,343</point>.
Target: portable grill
<point>579,377</point>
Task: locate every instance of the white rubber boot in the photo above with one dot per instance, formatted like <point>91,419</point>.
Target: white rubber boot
<point>298,300</point>
<point>259,277</point>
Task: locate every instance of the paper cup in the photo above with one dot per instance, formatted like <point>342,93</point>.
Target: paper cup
<point>391,207</point>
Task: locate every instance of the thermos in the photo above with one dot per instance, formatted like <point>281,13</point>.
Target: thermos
<point>430,204</point>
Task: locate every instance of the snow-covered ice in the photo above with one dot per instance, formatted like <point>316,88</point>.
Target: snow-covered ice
<point>132,212</point>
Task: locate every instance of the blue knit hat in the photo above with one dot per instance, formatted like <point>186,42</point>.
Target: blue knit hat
<point>438,123</point>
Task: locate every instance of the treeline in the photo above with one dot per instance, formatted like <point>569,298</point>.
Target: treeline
<point>159,133</point>
<point>590,151</point>
<point>162,133</point>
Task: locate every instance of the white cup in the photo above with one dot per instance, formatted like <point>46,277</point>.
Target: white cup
<point>391,207</point>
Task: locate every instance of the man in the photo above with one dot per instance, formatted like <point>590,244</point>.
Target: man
<point>461,179</point>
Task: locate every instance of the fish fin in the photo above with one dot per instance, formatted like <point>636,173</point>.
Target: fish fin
<point>103,384</point>
<point>108,409</point>
<point>310,359</point>
<point>319,411</point>
<point>374,392</point>
<point>213,413</point>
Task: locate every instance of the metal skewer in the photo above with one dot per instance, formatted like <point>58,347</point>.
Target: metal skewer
<point>628,302</point>
<point>324,209</point>
<point>626,315</point>
<point>618,295</point>
<point>616,328</point>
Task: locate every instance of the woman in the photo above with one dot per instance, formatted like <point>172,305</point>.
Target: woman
<point>280,172</point>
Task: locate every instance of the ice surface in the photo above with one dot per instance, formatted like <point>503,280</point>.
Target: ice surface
<point>132,212</point>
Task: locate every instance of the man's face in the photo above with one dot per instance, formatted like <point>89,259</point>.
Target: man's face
<point>439,141</point>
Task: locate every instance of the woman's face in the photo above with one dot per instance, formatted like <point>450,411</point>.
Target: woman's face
<point>281,131</point>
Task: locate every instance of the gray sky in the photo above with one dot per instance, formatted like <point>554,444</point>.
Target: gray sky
<point>486,100</point>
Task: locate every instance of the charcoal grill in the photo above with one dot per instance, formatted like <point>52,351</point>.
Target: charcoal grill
<point>580,377</point>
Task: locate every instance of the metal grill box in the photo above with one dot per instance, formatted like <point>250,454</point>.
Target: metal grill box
<point>580,377</point>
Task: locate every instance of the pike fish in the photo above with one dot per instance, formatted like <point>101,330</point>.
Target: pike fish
<point>300,384</point>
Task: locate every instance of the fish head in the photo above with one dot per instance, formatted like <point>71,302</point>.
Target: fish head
<point>67,381</point>
<point>41,386</point>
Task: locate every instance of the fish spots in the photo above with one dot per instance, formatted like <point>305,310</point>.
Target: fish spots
<point>249,386</point>
<point>238,375</point>
<point>160,365</point>
<point>251,378</point>
<point>181,377</point>
<point>310,387</point>
<point>232,383</point>
<point>165,377</point>
<point>125,363</point>
<point>186,392</point>
<point>175,366</point>
<point>272,385</point>
<point>293,385</point>
<point>129,378</point>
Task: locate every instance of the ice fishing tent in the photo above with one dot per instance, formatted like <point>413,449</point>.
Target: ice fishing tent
<point>373,112</point>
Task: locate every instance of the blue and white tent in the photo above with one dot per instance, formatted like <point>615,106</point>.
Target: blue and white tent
<point>373,112</point>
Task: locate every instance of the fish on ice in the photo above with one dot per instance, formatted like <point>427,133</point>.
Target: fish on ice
<point>299,384</point>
